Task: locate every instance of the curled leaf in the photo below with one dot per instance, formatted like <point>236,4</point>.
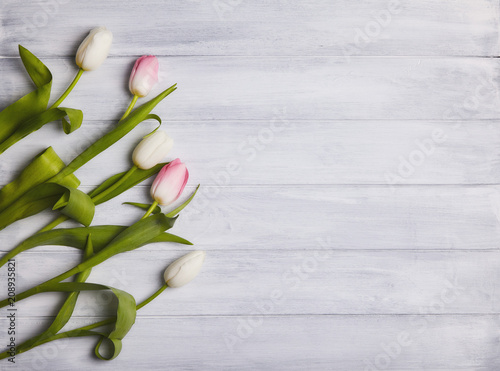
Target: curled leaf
<point>125,313</point>
<point>74,121</point>
<point>14,115</point>
<point>74,203</point>
<point>43,167</point>
<point>154,117</point>
<point>35,122</point>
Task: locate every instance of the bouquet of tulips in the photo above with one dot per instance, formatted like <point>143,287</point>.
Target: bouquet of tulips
<point>47,182</point>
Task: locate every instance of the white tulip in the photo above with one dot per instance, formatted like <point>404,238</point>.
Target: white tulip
<point>152,149</point>
<point>94,49</point>
<point>185,269</point>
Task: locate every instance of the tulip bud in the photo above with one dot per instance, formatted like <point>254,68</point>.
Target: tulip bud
<point>152,149</point>
<point>144,75</point>
<point>94,49</point>
<point>170,182</point>
<point>185,269</point>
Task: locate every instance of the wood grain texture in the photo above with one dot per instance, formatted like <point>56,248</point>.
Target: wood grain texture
<point>317,281</point>
<point>297,218</point>
<point>316,342</point>
<point>235,153</point>
<point>286,27</point>
<point>349,157</point>
<point>306,88</point>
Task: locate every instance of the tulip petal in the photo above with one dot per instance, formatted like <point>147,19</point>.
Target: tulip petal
<point>184,269</point>
<point>94,49</point>
<point>152,149</point>
<point>144,75</point>
<point>170,182</point>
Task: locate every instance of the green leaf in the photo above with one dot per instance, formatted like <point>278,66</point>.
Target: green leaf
<point>156,210</point>
<point>184,204</point>
<point>30,344</point>
<point>67,308</point>
<point>74,121</point>
<point>43,167</point>
<point>106,184</point>
<point>138,234</point>
<point>32,202</point>
<point>76,204</point>
<point>31,104</point>
<point>30,205</point>
<point>38,72</point>
<point>152,116</point>
<point>102,235</point>
<point>66,311</point>
<point>123,127</point>
<point>135,178</point>
<point>131,238</point>
<point>37,121</point>
<point>63,316</point>
<point>73,203</point>
<point>157,118</point>
<point>169,237</point>
<point>125,313</point>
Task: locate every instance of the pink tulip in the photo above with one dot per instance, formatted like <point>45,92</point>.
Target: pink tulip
<point>170,182</point>
<point>144,75</point>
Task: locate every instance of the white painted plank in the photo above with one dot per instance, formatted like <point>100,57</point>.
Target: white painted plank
<point>352,119</point>
<point>292,152</point>
<point>308,88</point>
<point>292,27</point>
<point>292,218</point>
<point>444,343</point>
<point>320,281</point>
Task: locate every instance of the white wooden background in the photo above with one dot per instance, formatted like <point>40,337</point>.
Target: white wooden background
<point>349,156</point>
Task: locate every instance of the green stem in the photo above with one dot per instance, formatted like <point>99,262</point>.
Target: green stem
<point>65,334</point>
<point>54,223</point>
<point>68,90</point>
<point>130,107</point>
<point>118,183</point>
<point>150,210</point>
<point>43,286</point>
<point>152,297</point>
